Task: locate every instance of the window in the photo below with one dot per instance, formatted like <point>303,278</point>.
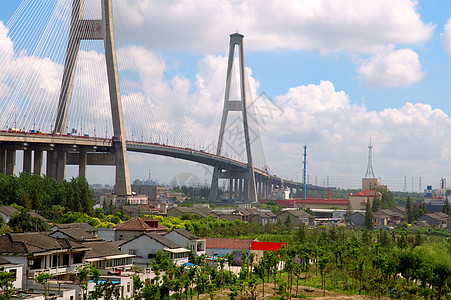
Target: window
<point>128,287</point>
<point>78,258</point>
<point>121,237</point>
<point>14,273</point>
<point>54,260</point>
<point>65,259</point>
<point>132,251</point>
<point>35,263</point>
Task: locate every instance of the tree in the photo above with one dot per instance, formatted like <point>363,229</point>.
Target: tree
<point>369,216</point>
<point>25,222</point>
<point>44,279</point>
<point>409,210</point>
<point>7,284</point>
<point>349,211</point>
<point>85,274</point>
<point>446,207</point>
<point>301,233</point>
<point>377,204</point>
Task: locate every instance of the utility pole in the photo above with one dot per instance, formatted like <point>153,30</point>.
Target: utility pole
<point>305,171</point>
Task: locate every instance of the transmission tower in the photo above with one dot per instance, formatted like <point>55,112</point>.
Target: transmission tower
<point>369,168</point>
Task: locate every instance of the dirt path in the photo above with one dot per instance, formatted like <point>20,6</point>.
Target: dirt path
<point>304,292</point>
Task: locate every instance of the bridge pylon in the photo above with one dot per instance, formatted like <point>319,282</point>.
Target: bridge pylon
<point>89,29</point>
<point>242,186</point>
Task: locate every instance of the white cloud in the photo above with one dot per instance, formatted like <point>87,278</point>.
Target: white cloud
<point>393,68</point>
<point>337,134</point>
<point>327,25</point>
<point>446,36</point>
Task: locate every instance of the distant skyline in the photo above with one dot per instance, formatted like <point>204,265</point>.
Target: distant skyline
<point>335,72</point>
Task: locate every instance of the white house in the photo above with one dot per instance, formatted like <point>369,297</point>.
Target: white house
<point>16,269</point>
<point>146,246</point>
<point>184,238</point>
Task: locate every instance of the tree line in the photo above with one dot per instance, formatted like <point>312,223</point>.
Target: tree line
<point>41,193</point>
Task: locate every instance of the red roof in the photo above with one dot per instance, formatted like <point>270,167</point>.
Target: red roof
<point>366,193</point>
<point>324,201</point>
<point>141,224</point>
<point>218,243</point>
<point>267,246</point>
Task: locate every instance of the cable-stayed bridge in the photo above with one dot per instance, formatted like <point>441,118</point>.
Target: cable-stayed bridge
<point>73,92</point>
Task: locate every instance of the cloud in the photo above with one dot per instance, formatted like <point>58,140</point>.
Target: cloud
<point>328,25</point>
<point>446,36</point>
<point>337,134</point>
<point>394,68</point>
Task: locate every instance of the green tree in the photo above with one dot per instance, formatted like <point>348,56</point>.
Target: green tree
<point>446,207</point>
<point>301,233</point>
<point>377,204</point>
<point>409,210</point>
<point>23,221</point>
<point>7,284</point>
<point>44,280</point>
<point>369,216</point>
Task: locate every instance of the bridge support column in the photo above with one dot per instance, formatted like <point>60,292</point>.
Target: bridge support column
<point>82,164</point>
<point>231,189</point>
<point>249,192</point>
<point>27,155</point>
<point>240,189</point>
<point>214,189</point>
<point>2,160</point>
<point>37,163</point>
<point>61,165</point>
<point>11,161</point>
<point>51,164</point>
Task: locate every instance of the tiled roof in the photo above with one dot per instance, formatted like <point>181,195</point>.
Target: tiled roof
<point>237,244</point>
<point>8,210</point>
<point>299,213</point>
<point>34,242</point>
<point>33,214</point>
<point>101,249</point>
<point>144,224</point>
<point>84,226</point>
<point>159,238</point>
<point>186,234</point>
<point>77,234</point>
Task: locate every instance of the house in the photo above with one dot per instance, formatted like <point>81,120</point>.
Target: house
<point>356,220</point>
<point>131,228</point>
<point>387,217</point>
<point>75,234</point>
<point>184,238</point>
<point>146,246</point>
<point>40,253</point>
<point>103,255</point>
<point>358,200</point>
<point>6,212</point>
<point>252,215</point>
<point>438,219</point>
<point>316,203</point>
<point>201,211</point>
<point>79,226</point>
<point>296,217</point>
<point>222,247</point>
<point>16,269</point>
<point>106,257</point>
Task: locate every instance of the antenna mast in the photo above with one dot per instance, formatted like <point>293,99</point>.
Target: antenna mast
<point>369,168</point>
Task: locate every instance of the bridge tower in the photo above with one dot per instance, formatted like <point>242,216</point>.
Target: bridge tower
<point>248,192</point>
<point>89,29</point>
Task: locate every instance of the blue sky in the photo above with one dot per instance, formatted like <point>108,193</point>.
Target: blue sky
<point>339,72</point>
